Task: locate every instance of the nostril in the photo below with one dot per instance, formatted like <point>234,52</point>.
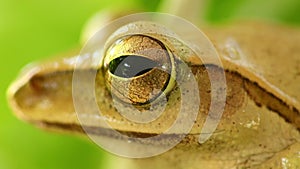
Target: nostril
<point>41,83</point>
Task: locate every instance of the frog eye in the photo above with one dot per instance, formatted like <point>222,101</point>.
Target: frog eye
<point>138,69</point>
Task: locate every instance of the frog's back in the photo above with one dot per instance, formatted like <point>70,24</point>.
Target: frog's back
<point>271,51</point>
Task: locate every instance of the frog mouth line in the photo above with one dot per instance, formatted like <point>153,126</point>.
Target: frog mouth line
<point>258,94</point>
<point>111,133</point>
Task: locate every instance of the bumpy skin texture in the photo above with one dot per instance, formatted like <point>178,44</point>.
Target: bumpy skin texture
<point>260,125</point>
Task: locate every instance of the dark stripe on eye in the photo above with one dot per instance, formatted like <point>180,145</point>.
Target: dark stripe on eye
<point>131,66</point>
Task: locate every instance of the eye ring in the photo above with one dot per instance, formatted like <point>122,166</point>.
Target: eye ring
<point>139,69</point>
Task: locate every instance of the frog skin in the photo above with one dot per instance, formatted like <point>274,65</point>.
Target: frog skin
<point>261,120</point>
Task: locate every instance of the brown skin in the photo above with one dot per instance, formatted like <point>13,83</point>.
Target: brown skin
<point>261,120</point>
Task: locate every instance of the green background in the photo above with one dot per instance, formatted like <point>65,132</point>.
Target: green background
<point>36,29</point>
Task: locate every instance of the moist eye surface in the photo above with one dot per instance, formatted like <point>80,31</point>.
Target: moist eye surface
<point>131,66</point>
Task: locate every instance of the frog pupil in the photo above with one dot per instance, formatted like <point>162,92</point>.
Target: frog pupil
<point>131,66</point>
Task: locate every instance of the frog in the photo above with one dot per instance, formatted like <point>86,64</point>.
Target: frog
<point>259,126</point>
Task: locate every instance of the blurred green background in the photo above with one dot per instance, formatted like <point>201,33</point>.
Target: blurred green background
<point>34,29</point>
